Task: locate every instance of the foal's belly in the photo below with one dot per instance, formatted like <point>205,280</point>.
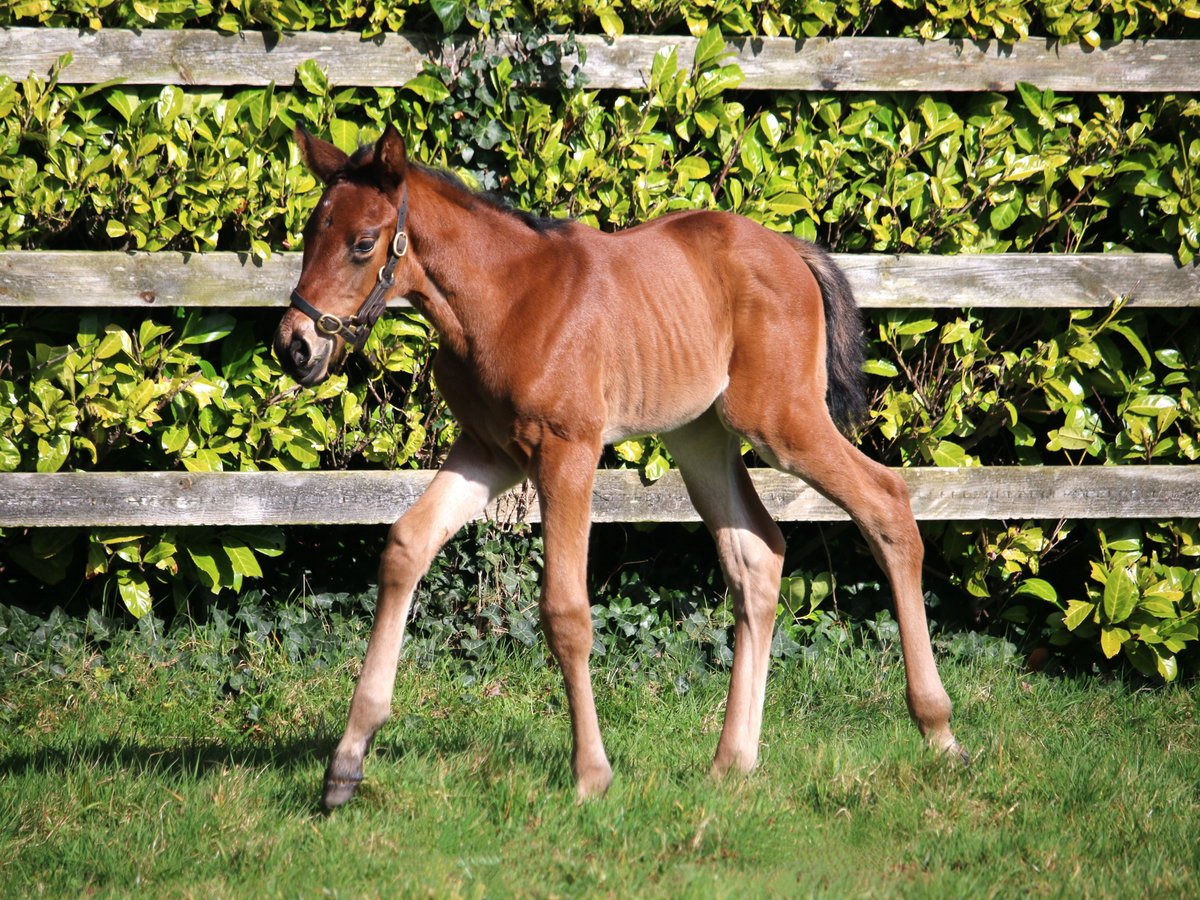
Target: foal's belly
<point>660,412</point>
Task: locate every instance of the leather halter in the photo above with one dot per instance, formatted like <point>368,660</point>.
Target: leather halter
<point>356,328</point>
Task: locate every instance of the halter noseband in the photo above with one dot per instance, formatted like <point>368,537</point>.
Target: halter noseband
<point>356,328</point>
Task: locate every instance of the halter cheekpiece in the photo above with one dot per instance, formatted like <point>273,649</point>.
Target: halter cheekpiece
<point>355,329</point>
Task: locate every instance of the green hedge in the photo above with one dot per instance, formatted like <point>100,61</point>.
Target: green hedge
<point>1007,20</point>
<point>149,168</point>
<point>114,167</point>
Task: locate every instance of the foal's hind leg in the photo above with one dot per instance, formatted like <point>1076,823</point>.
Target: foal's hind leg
<point>750,547</point>
<point>800,438</point>
<point>470,477</point>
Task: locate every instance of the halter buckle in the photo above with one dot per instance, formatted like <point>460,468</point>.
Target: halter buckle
<point>400,243</point>
<point>325,328</point>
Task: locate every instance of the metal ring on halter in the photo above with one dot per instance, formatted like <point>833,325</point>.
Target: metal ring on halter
<point>325,328</point>
<point>398,248</point>
<point>383,277</point>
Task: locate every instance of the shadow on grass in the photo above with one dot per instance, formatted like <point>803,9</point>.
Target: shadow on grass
<point>487,757</point>
<point>194,757</point>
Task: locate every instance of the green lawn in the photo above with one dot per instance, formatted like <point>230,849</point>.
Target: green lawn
<point>141,776</point>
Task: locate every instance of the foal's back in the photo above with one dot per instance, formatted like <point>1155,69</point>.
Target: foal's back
<point>648,324</point>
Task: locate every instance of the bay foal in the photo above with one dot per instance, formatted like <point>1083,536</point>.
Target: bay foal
<point>557,339</point>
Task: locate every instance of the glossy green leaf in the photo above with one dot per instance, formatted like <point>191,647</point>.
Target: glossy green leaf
<point>1037,587</point>
<point>135,593</point>
<point>1120,596</point>
<point>1078,612</point>
<point>1111,640</point>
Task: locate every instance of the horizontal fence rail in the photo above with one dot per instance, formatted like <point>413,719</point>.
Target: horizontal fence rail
<point>352,498</point>
<point>39,278</point>
<point>79,279</point>
<point>199,57</point>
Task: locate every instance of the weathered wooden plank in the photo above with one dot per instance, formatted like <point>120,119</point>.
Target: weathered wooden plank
<point>200,57</point>
<point>999,280</point>
<point>819,64</point>
<point>904,64</point>
<point>146,280</point>
<point>279,498</point>
<point>57,278</point>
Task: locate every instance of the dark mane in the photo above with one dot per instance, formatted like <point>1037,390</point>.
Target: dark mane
<point>540,224</point>
<point>364,156</point>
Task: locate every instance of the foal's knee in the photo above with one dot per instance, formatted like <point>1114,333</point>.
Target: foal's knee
<point>567,625</point>
<point>406,555</point>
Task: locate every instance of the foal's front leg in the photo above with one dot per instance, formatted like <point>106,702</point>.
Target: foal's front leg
<point>564,473</point>
<point>471,476</point>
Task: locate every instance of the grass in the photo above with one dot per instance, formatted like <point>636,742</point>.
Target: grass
<point>141,775</point>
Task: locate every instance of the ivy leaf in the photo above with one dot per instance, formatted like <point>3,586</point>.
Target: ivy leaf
<point>449,12</point>
<point>428,88</point>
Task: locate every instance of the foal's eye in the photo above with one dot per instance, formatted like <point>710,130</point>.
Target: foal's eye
<point>364,245</point>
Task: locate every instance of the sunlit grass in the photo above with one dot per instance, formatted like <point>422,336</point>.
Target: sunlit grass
<point>146,778</point>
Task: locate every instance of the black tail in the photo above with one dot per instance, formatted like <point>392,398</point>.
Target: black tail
<point>846,394</point>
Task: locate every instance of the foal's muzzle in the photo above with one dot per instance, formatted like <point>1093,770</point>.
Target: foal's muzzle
<point>303,352</point>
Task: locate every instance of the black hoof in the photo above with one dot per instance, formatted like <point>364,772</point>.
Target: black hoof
<point>339,787</point>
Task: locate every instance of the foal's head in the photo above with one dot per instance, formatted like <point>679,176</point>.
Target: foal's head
<point>354,249</point>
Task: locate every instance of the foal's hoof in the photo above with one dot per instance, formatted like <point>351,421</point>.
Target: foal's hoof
<point>592,782</point>
<point>954,751</point>
<point>340,786</point>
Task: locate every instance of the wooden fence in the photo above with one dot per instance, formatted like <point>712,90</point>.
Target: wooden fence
<point>819,64</point>
<point>85,279</point>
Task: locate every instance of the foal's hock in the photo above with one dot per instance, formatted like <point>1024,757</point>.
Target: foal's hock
<point>557,339</point>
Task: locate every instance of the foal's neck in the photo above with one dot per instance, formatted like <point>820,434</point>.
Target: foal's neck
<point>468,248</point>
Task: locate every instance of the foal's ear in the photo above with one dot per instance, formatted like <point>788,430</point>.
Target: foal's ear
<point>322,158</point>
<point>391,157</point>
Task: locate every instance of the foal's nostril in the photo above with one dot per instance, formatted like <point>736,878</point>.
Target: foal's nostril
<point>300,352</point>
